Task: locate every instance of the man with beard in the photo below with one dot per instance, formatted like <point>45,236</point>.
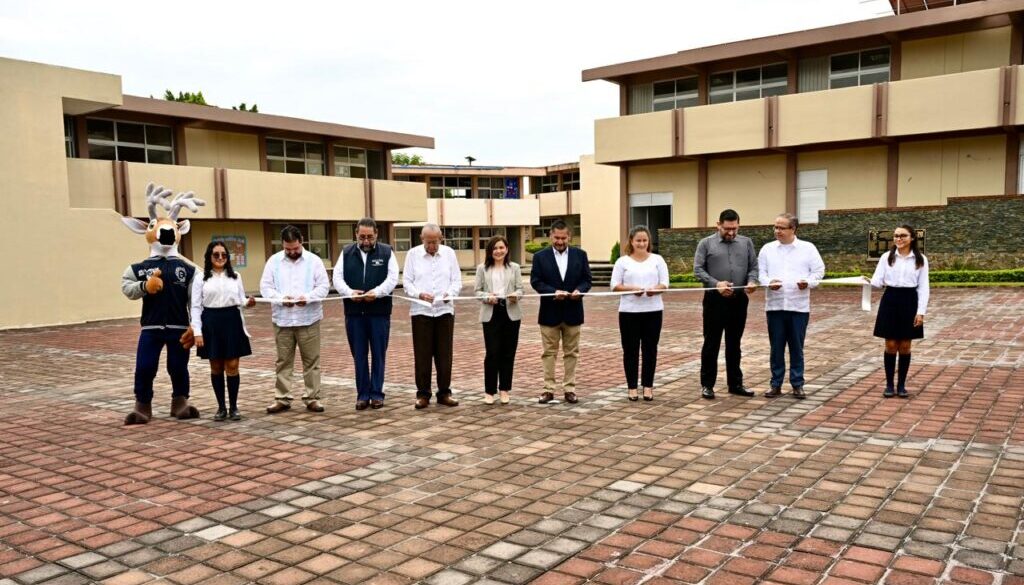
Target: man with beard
<point>297,281</point>
<point>368,271</point>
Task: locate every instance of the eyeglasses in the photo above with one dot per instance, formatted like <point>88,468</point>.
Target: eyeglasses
<point>783,227</point>
<point>365,238</point>
<point>901,236</point>
<point>219,255</point>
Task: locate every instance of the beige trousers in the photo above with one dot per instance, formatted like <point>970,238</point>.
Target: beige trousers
<point>569,335</point>
<point>308,341</point>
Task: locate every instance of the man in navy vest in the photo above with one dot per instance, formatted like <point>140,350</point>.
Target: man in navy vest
<point>368,271</point>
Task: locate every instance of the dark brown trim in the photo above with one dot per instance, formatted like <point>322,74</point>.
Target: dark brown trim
<point>180,156</point>
<point>895,57</point>
<point>389,173</point>
<point>1016,41</point>
<point>218,194</point>
<point>792,69</point>
<point>117,171</point>
<point>490,212</point>
<point>1012,163</point>
<point>329,157</point>
<point>185,244</point>
<point>224,193</point>
<point>623,99</point>
<point>81,138</point>
<point>126,186</point>
<point>703,91</point>
<point>677,124</point>
<point>1008,95</point>
<point>474,188</point>
<point>702,192</point>
<point>268,240</point>
<point>892,176</point>
<point>623,205</point>
<point>771,122</point>
<point>367,197</point>
<point>261,142</point>
<point>880,110</point>
<point>440,209</point>
<point>791,182</point>
<point>332,242</point>
<point>475,234</point>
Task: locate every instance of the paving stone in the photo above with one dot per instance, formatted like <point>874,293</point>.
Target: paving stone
<point>82,560</point>
<point>478,564</point>
<point>504,550</point>
<point>41,573</point>
<point>980,559</point>
<point>515,573</point>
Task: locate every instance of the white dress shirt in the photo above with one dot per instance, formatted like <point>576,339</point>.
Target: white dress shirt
<point>438,275</point>
<point>647,274</point>
<point>305,277</point>
<point>216,293</point>
<point>562,261</point>
<point>789,263</point>
<point>383,289</point>
<point>904,273</point>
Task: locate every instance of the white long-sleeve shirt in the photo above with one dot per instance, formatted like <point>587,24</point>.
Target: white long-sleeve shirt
<point>216,293</point>
<point>305,277</point>
<point>438,275</point>
<point>381,290</point>
<point>647,274</point>
<point>789,263</point>
<point>904,273</point>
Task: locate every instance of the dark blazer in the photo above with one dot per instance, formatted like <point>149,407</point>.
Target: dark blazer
<point>545,278</point>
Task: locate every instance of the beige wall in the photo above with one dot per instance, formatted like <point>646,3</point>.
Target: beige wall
<point>598,207</point>
<point>202,233</point>
<point>856,176</point>
<point>934,170</point>
<point>91,183</point>
<point>399,201</point>
<point>724,127</point>
<point>515,211</point>
<point>754,186</point>
<point>638,137</point>
<point>983,49</point>
<point>34,173</point>
<point>457,212</point>
<point>959,101</point>
<point>176,178</point>
<point>228,150</point>
<point>680,179</point>
<point>279,196</point>
<point>826,116</point>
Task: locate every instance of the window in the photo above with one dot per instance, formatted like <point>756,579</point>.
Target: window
<point>571,181</point>
<point>862,68</point>
<point>349,162</point>
<point>411,178</point>
<point>403,239</point>
<point>292,156</point>
<point>675,93</point>
<point>69,137</point>
<point>494,187</point>
<point>549,184</point>
<point>540,232</point>
<point>314,238</point>
<point>487,233</point>
<point>811,194</point>
<point>346,235</point>
<point>458,238</point>
<point>131,142</point>
<point>450,187</point>
<point>749,84</point>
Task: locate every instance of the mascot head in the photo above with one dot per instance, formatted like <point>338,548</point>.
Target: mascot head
<point>163,234</point>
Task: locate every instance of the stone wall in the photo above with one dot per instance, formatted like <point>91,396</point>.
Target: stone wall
<point>968,232</point>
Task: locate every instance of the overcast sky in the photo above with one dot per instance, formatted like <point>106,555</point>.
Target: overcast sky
<point>498,81</point>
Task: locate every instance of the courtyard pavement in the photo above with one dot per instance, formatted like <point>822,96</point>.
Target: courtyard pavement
<point>844,487</point>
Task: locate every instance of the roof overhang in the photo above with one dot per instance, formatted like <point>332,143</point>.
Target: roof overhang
<point>467,171</point>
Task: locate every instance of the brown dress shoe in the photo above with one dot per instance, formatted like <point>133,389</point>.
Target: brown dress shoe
<point>375,404</point>
<point>141,415</point>
<point>277,407</point>
<point>546,397</point>
<point>314,406</point>
<point>773,393</point>
<point>362,404</point>
<point>570,397</point>
<point>422,403</point>
<point>799,393</point>
<point>447,400</point>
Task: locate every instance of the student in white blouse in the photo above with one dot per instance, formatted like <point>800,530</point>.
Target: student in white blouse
<point>499,284</point>
<point>640,314</point>
<point>217,299</point>
<point>904,274</point>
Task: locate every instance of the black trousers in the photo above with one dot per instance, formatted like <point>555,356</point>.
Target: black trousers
<point>501,338</point>
<point>432,339</point>
<point>640,333</point>
<point>728,314</point>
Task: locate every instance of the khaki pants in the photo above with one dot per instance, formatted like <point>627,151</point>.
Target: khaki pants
<point>569,335</point>
<point>308,340</point>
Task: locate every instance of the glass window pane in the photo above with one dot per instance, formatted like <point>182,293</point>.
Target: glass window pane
<point>844,63</point>
<point>748,77</point>
<point>275,166</point>
<point>295,166</point>
<point>346,232</point>
<point>686,84</point>
<point>314,168</point>
<point>161,157</point>
<point>357,172</point>
<point>133,133</point>
<point>340,153</point>
<point>294,149</point>
<point>686,102</point>
<point>773,90</point>
<point>664,88</point>
<point>436,181</point>
<point>775,72</point>
<point>341,170</point>
<point>721,80</point>
<point>314,151</point>
<point>131,153</point>
<point>662,106</point>
<point>838,82</point>
<point>720,98</point>
<point>159,136</point>
<point>100,130</point>
<point>275,147</point>
<point>317,231</point>
<point>357,155</point>
<point>100,152</point>
<point>874,57</point>
<point>879,77</point>
<point>748,94</point>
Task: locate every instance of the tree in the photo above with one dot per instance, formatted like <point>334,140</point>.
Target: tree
<point>242,108</point>
<point>401,158</point>
<point>186,97</point>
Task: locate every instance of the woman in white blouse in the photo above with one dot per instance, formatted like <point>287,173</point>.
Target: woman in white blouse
<point>904,274</point>
<point>499,285</point>
<point>640,314</point>
<point>220,333</point>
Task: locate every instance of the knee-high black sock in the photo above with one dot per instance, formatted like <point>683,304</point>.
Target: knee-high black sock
<point>217,380</point>
<point>233,391</point>
<point>890,369</point>
<point>904,368</point>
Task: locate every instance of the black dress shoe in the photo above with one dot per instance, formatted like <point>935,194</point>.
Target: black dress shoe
<point>362,404</point>
<point>741,391</point>
<point>221,415</point>
<point>902,393</point>
<point>375,404</point>
<point>798,393</point>
<point>889,392</point>
<point>234,414</point>
<point>650,397</point>
<point>422,403</point>
<point>708,393</point>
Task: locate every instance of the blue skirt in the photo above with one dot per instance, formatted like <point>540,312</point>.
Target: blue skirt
<point>224,335</point>
<point>896,314</point>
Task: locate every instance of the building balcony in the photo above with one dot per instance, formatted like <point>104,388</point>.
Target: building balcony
<point>559,204</point>
<point>639,137</point>
<point>399,201</point>
<point>483,212</point>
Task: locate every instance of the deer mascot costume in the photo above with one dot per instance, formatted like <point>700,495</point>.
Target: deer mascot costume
<point>163,282</point>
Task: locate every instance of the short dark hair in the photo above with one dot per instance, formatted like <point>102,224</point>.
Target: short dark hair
<point>291,233</point>
<point>728,215</point>
<point>367,222</point>
<point>794,222</point>
<point>559,224</point>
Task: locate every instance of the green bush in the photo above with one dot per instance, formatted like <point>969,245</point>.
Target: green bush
<point>534,247</point>
<point>615,252</point>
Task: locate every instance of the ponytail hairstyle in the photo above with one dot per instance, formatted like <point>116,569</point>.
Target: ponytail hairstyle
<point>639,228</point>
<point>918,258</point>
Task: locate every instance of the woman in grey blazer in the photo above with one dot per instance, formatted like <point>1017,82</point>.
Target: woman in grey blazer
<point>499,286</point>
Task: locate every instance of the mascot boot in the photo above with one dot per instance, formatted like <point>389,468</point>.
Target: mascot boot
<point>181,409</point>
<point>140,415</point>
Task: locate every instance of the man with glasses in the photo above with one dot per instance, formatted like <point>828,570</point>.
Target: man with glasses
<point>297,279</point>
<point>791,267</point>
<point>370,270</point>
<point>724,260</point>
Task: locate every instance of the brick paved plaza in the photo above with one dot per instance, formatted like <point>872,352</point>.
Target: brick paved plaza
<point>844,487</point>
